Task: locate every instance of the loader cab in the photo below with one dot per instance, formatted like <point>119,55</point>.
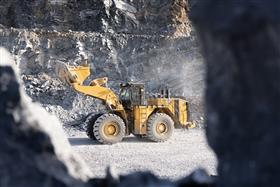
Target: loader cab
<point>132,94</point>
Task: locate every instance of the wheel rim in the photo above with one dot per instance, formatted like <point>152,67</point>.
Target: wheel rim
<point>161,128</point>
<point>111,129</point>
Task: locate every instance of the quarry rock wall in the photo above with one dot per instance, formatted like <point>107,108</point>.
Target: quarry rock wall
<point>142,41</point>
<point>118,16</point>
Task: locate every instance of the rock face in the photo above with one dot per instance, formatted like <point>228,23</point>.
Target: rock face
<point>121,57</point>
<point>34,150</point>
<point>243,92</point>
<point>120,16</point>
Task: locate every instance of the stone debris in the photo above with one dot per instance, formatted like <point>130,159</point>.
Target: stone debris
<point>42,84</point>
<point>58,99</point>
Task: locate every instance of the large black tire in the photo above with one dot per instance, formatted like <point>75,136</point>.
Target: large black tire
<point>89,122</point>
<point>160,127</point>
<point>109,129</point>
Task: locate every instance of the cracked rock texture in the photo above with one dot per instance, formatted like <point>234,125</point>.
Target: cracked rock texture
<point>240,44</point>
<point>120,16</point>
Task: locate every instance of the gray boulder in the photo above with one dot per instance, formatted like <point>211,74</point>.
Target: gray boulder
<point>240,44</point>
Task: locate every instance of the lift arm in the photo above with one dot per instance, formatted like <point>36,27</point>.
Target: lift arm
<point>75,77</point>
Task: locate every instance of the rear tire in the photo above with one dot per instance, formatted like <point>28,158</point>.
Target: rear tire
<point>160,127</point>
<point>90,120</point>
<point>109,129</point>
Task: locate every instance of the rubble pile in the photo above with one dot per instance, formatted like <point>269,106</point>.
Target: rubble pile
<point>71,108</point>
<point>42,85</point>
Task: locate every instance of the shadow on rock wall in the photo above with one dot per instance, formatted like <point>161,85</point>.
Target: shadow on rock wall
<point>116,16</point>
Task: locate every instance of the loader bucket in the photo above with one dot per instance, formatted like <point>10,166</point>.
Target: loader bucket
<point>72,74</point>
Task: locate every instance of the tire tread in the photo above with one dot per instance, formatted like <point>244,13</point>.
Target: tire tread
<point>150,130</point>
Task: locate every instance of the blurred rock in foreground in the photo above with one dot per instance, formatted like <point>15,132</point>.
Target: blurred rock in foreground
<point>241,46</point>
<point>34,150</point>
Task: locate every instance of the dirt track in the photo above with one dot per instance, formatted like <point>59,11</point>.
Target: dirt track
<point>184,152</point>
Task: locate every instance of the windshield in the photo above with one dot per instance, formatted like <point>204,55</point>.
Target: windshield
<point>125,94</point>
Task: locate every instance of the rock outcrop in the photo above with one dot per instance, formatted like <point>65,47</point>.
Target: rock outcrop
<point>240,44</point>
<point>34,150</point>
<point>118,16</point>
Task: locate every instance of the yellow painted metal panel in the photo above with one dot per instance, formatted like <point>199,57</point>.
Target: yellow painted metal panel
<point>141,115</point>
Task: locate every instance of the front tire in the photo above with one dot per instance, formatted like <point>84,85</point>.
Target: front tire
<point>160,127</point>
<point>109,129</point>
<point>89,122</point>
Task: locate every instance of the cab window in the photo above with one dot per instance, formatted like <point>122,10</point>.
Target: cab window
<point>125,94</point>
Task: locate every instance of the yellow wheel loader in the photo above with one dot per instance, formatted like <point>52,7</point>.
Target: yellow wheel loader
<point>130,112</point>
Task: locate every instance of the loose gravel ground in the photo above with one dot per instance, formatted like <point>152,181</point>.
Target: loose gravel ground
<point>183,153</point>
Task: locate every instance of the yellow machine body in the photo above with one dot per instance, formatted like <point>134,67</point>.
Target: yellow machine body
<point>138,115</point>
<point>176,108</point>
